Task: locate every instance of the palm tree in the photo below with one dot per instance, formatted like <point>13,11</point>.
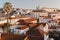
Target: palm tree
<point>7,8</point>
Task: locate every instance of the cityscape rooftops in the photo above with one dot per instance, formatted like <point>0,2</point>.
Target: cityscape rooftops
<point>22,27</point>
<point>38,11</point>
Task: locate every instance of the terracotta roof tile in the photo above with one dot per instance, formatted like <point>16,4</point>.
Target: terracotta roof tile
<point>29,20</point>
<point>12,36</point>
<point>1,25</point>
<point>41,25</point>
<point>42,32</point>
<point>58,23</point>
<point>32,25</point>
<point>26,20</point>
<point>23,27</point>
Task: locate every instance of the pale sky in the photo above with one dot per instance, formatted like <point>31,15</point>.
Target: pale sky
<point>32,3</point>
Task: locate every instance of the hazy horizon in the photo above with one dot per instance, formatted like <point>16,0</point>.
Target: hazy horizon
<point>31,4</point>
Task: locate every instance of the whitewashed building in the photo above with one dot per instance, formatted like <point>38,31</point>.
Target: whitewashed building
<point>37,13</point>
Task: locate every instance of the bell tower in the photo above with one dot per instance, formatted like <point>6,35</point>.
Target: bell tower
<point>38,7</point>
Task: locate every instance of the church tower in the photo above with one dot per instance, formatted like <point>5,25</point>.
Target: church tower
<point>38,7</point>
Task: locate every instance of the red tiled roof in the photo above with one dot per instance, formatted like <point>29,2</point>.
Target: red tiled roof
<point>58,19</point>
<point>29,20</point>
<point>32,25</point>
<point>4,24</point>
<point>42,32</point>
<point>1,25</point>
<point>41,25</point>
<point>12,36</point>
<point>26,20</point>
<point>58,23</point>
<point>24,17</point>
<point>38,27</point>
<point>22,27</point>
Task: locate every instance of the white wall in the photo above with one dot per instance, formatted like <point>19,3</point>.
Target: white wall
<point>19,31</point>
<point>1,30</point>
<point>37,14</point>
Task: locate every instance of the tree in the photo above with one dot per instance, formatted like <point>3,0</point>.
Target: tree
<point>7,8</point>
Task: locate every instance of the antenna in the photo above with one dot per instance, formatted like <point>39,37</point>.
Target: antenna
<point>37,5</point>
